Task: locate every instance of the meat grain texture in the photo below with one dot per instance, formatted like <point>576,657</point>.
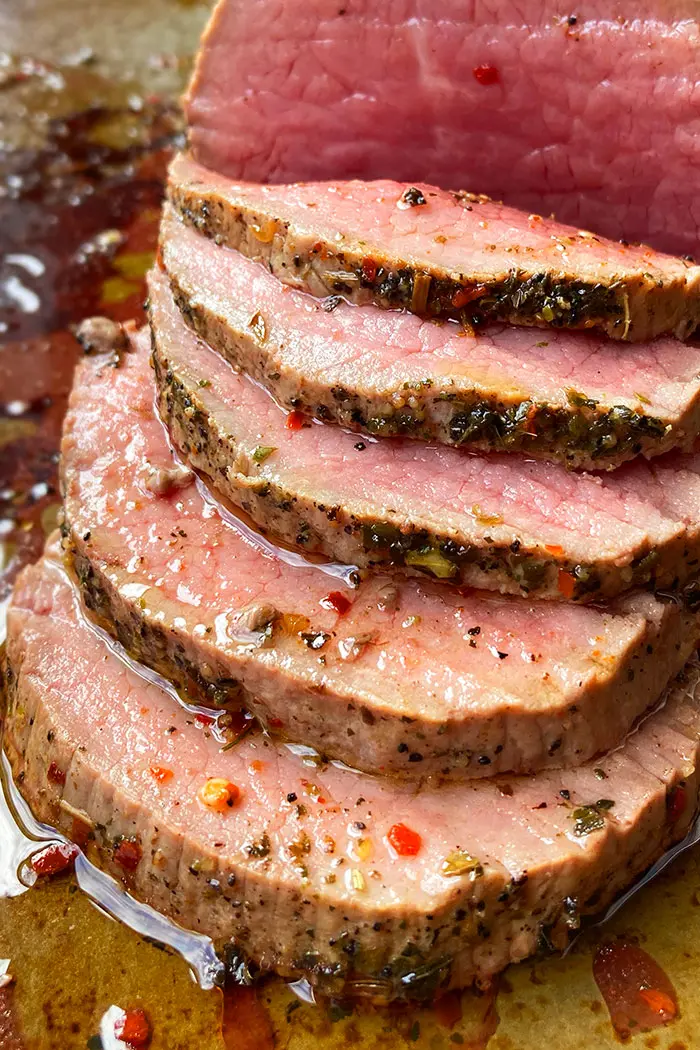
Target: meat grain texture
<point>390,675</point>
<point>299,872</point>
<point>564,396</point>
<point>589,112</point>
<point>444,254</point>
<point>499,522</point>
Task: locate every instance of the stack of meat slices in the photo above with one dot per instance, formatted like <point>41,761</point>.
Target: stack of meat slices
<point>360,525</point>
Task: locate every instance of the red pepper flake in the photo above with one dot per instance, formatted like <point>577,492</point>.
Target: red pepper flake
<point>637,992</point>
<point>555,549</point>
<point>295,420</point>
<point>54,859</point>
<point>566,584</point>
<point>486,75</point>
<point>467,295</point>
<point>336,601</point>
<point>128,855</point>
<point>161,774</point>
<point>55,774</point>
<point>404,841</point>
<point>133,1028</point>
<point>676,802</point>
<point>275,723</point>
<point>202,720</point>
<point>369,270</point>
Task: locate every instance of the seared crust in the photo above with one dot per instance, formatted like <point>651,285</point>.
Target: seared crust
<point>568,398</point>
<point>220,435</point>
<point>636,300</point>
<point>361,685</point>
<point>283,881</point>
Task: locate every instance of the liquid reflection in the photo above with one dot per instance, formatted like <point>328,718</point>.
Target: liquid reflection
<point>20,835</point>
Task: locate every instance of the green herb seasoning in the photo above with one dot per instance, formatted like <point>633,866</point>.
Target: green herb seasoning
<point>262,452</point>
<point>459,862</point>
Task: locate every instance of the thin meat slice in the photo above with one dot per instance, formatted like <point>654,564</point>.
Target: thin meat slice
<point>589,111</point>
<point>354,882</point>
<point>441,254</point>
<point>388,674</point>
<point>572,397</point>
<point>503,523</point>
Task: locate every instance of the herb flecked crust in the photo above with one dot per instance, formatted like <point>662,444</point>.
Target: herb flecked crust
<point>583,433</point>
<point>635,307</point>
<point>401,954</point>
<point>510,566</point>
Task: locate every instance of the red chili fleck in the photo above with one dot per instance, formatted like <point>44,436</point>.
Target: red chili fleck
<point>404,841</point>
<point>566,584</point>
<point>133,1028</point>
<point>467,295</point>
<point>128,855</point>
<point>486,74</point>
<point>369,270</point>
<point>295,420</point>
<point>337,602</point>
<point>161,774</point>
<point>676,801</point>
<point>55,774</point>
<point>637,992</point>
<point>201,720</point>
<point>54,859</point>
<point>275,723</point>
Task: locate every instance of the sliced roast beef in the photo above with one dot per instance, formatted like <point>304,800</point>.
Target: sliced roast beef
<point>317,871</point>
<point>589,111</point>
<point>441,254</point>
<point>499,522</point>
<point>571,396</point>
<point>391,675</point>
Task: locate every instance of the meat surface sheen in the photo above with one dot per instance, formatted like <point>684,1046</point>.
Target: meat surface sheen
<point>572,397</point>
<point>299,872</point>
<point>590,112</point>
<point>440,253</point>
<point>503,522</point>
<point>392,675</point>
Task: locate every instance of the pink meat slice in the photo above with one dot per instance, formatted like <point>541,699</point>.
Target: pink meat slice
<point>445,253</point>
<point>375,354</point>
<point>413,678</point>
<point>523,522</point>
<point>589,112</point>
<point>300,873</point>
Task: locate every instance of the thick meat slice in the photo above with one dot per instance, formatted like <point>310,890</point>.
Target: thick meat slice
<point>299,872</point>
<point>572,396</point>
<point>589,111</point>
<point>392,675</point>
<point>441,254</point>
<point>500,522</point>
